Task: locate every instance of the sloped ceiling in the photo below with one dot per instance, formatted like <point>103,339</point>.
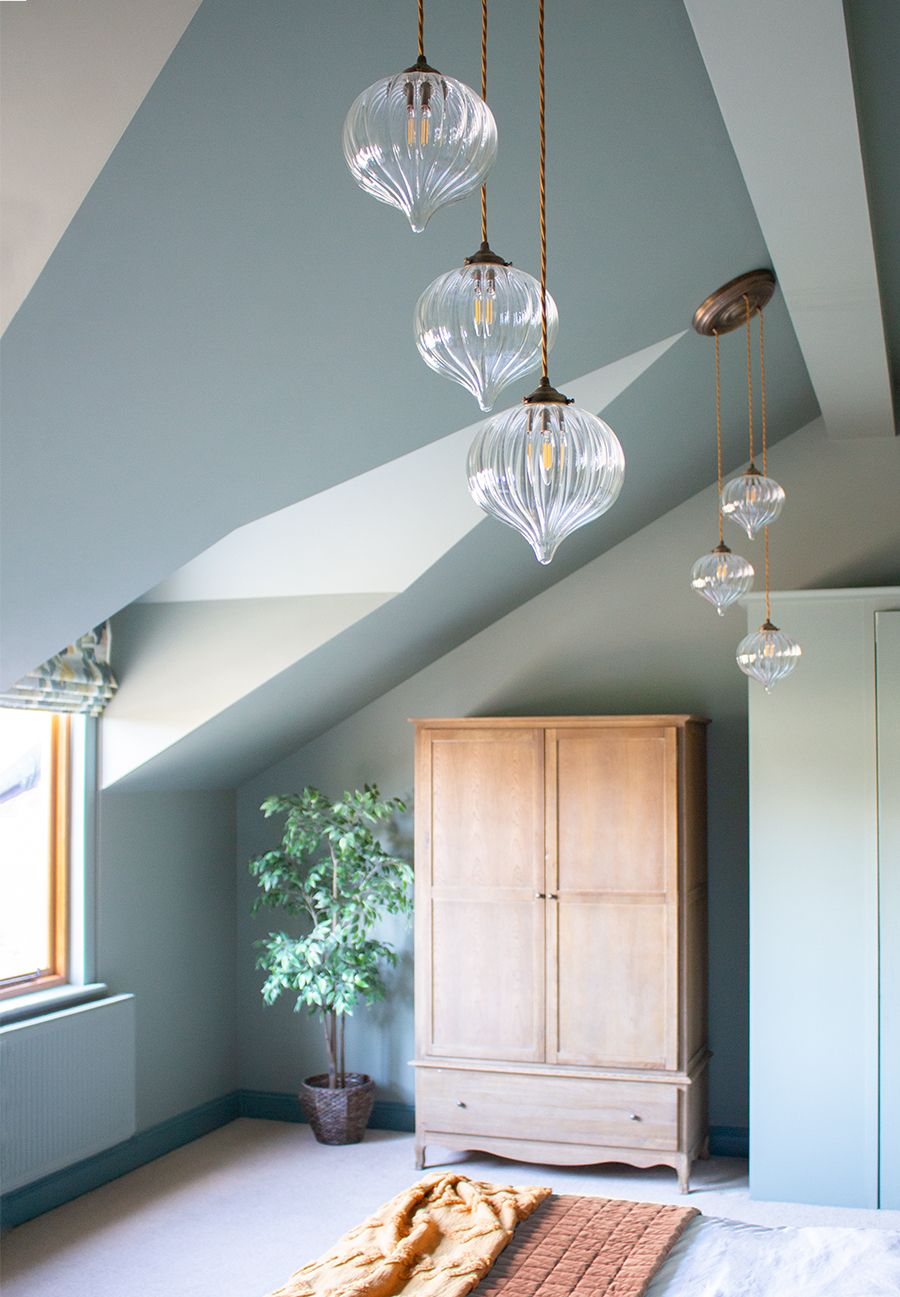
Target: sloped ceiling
<point>71,78</point>
<point>225,328</point>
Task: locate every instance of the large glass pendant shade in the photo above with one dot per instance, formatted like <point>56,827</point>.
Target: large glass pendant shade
<point>722,577</point>
<point>481,325</point>
<point>752,501</point>
<point>768,655</point>
<point>419,140</point>
<point>545,468</point>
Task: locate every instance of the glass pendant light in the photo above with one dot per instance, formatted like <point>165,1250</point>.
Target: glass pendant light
<point>752,499</point>
<point>721,577</point>
<point>480,324</point>
<point>419,140</point>
<point>545,467</point>
<point>768,655</point>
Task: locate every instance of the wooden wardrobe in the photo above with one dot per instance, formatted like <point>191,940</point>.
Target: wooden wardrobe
<point>561,938</point>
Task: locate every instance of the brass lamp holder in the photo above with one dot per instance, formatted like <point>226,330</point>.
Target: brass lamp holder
<point>726,308</point>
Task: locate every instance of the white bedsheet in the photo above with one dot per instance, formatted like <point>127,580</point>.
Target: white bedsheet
<point>725,1258</point>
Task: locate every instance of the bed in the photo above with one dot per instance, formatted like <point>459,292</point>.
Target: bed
<point>449,1236</point>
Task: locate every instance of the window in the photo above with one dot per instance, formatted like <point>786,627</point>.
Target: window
<point>34,850</point>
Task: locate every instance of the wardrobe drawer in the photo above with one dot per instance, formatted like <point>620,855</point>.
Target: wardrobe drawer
<point>561,1109</point>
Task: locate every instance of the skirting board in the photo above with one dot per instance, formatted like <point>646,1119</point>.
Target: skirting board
<point>24,1204</point>
<point>53,1190</point>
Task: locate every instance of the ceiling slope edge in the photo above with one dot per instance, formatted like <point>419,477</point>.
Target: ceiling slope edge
<point>782,76</point>
<point>72,77</point>
<point>272,594</point>
<point>182,664</point>
<point>405,514</point>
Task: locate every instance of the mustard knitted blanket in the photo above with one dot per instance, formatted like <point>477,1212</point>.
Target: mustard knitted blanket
<point>436,1239</point>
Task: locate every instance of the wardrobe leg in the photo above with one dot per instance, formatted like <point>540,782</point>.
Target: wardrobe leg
<point>683,1168</point>
<point>704,1150</point>
<point>420,1154</point>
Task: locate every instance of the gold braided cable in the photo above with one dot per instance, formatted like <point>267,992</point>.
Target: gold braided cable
<point>749,376</point>
<point>421,29</point>
<point>542,186</point>
<point>762,389</point>
<point>768,607</point>
<point>484,34</point>
<point>719,442</point>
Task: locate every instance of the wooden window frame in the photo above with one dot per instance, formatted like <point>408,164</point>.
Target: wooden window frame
<point>57,973</point>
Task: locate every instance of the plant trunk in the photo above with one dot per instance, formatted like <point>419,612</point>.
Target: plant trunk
<point>337,1033</point>
<point>330,1024</point>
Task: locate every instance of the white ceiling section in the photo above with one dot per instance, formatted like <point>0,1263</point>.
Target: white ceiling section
<point>275,590</point>
<point>72,75</point>
<point>378,531</point>
<point>782,75</point>
<point>193,660</point>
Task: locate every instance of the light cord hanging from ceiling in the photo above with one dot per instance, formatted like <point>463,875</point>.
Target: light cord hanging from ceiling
<point>765,455</point>
<point>480,325</point>
<point>749,377</point>
<point>419,140</point>
<point>721,577</point>
<point>484,34</point>
<point>719,442</point>
<point>545,467</point>
<point>542,187</point>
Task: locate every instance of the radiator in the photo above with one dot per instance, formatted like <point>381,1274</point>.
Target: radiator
<point>67,1088</point>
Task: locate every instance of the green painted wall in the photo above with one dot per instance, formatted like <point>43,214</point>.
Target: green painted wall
<point>623,634</point>
<point>165,930</point>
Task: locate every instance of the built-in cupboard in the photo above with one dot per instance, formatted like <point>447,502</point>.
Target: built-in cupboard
<point>825,906</point>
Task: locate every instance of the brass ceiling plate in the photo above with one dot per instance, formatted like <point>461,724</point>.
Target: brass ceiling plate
<point>725,310</point>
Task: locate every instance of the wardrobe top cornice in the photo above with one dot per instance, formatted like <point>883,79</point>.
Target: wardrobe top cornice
<point>548,722</point>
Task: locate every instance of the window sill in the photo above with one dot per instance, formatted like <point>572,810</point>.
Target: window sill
<point>32,1004</point>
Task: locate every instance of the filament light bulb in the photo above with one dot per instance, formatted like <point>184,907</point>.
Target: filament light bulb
<point>480,325</point>
<point>419,140</point>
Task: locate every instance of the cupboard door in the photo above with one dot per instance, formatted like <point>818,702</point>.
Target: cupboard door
<point>480,868</point>
<point>612,855</point>
<point>887,648</point>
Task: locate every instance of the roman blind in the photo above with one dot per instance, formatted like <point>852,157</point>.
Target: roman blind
<point>78,679</point>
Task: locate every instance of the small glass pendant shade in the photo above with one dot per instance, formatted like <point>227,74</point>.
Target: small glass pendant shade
<point>481,325</point>
<point>419,140</point>
<point>545,468</point>
<point>752,501</point>
<point>768,655</point>
<point>722,577</point>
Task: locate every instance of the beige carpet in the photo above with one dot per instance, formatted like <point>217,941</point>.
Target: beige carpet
<point>234,1214</point>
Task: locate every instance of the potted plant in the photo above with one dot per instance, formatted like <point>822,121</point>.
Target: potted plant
<point>332,870</point>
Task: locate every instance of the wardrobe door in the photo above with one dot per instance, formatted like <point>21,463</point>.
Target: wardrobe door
<point>612,856</point>
<point>480,873</point>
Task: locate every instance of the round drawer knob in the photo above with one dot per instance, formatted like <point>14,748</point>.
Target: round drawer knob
<point>633,1116</point>
<point>459,1103</point>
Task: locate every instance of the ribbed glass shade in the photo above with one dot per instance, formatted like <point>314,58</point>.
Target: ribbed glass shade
<point>722,577</point>
<point>545,469</point>
<point>752,501</point>
<point>481,326</point>
<point>419,140</point>
<point>768,655</point>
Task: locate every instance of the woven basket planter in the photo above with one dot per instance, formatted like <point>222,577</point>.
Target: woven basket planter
<point>338,1116</point>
